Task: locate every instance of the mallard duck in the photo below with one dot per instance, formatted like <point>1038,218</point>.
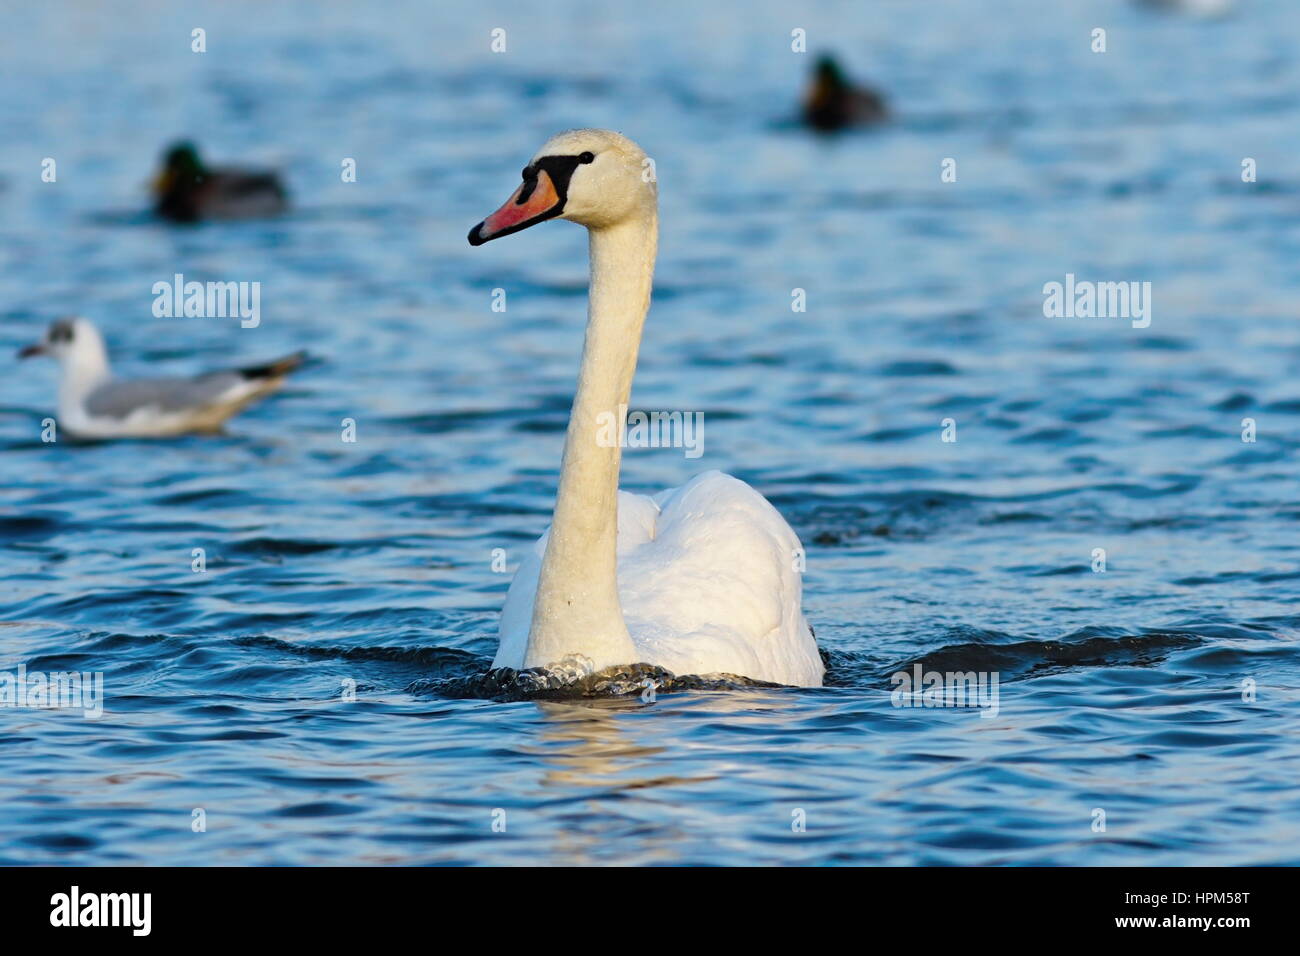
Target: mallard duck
<point>834,103</point>
<point>186,190</point>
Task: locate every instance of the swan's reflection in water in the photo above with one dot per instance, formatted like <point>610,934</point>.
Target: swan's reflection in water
<point>620,766</point>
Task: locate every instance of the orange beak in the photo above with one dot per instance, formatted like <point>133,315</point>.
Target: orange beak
<point>533,202</point>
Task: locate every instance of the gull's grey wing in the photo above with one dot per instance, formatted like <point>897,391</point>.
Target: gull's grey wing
<point>121,399</point>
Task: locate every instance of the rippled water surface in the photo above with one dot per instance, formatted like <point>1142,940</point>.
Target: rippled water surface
<point>371,562</point>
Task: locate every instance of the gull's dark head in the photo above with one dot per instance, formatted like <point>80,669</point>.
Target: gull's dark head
<point>65,338</point>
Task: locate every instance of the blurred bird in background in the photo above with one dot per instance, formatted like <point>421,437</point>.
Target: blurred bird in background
<point>833,102</point>
<point>187,191</point>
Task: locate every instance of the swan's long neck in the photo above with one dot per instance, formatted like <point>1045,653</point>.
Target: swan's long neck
<point>577,610</point>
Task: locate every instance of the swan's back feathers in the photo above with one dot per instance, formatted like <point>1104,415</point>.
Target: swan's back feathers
<point>707,581</point>
<point>717,590</point>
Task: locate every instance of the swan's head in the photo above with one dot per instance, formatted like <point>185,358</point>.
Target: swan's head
<point>593,177</point>
<point>69,339</point>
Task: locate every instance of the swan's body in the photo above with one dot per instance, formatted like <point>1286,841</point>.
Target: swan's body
<point>706,583</point>
<point>699,579</point>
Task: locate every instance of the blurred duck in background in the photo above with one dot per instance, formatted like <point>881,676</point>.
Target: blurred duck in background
<point>834,103</point>
<point>93,404</point>
<point>187,191</point>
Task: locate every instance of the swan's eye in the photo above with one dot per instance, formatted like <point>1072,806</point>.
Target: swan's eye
<point>587,157</point>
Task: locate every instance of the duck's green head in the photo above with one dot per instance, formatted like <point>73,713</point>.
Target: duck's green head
<point>181,164</point>
<point>828,72</point>
<point>828,86</point>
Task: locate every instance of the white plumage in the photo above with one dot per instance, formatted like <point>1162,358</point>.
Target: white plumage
<point>707,581</point>
<point>699,579</point>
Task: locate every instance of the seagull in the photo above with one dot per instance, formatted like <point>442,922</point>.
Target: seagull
<point>92,404</point>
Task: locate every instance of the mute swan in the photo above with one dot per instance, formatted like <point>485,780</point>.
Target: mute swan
<point>835,103</point>
<point>186,190</point>
<point>94,405</point>
<point>698,579</point>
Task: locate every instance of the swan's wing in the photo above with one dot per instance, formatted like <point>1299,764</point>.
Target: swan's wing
<point>517,614</point>
<point>716,590</point>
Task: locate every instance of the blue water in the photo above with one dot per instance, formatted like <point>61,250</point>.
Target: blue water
<point>371,562</point>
